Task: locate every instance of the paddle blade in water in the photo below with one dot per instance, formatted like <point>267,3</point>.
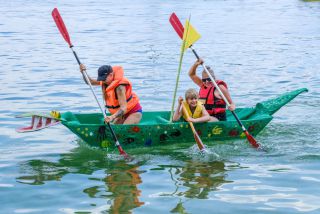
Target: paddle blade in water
<point>176,24</point>
<point>60,24</point>
<point>123,153</point>
<point>199,141</point>
<point>251,140</point>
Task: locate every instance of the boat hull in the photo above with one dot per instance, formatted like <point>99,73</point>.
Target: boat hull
<point>155,128</point>
<point>160,131</point>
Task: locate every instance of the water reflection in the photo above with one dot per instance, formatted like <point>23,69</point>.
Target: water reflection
<point>197,180</point>
<point>202,178</point>
<point>120,183</point>
<point>120,180</point>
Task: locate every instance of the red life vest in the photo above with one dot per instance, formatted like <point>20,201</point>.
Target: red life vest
<point>110,96</point>
<point>213,104</point>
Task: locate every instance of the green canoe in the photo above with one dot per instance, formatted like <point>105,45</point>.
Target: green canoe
<point>155,128</point>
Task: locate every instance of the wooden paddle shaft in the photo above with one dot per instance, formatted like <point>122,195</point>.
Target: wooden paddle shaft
<point>197,137</point>
<point>187,115</point>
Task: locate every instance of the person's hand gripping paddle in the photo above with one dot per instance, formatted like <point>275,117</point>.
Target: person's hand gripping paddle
<point>63,30</point>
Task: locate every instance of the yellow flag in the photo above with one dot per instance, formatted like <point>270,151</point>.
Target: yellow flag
<point>190,36</point>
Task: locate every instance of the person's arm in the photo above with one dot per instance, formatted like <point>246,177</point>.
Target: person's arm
<point>226,93</point>
<point>192,73</point>
<point>92,81</point>
<point>178,113</point>
<point>205,117</point>
<point>121,94</point>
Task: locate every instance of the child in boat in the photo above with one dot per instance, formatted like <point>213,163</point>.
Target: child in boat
<point>196,111</point>
<point>208,95</point>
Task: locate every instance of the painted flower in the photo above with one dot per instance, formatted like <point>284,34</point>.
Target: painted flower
<point>251,128</point>
<point>105,144</point>
<point>233,133</point>
<point>148,142</point>
<point>135,129</point>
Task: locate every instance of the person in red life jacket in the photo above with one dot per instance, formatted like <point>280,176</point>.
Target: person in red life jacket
<point>208,94</point>
<point>122,103</point>
<point>196,111</point>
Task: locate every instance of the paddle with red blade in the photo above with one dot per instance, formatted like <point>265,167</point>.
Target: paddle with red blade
<point>178,27</point>
<point>64,32</point>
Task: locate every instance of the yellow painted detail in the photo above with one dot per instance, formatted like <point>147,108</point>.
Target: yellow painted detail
<point>242,135</point>
<point>55,114</point>
<point>105,144</point>
<point>216,130</point>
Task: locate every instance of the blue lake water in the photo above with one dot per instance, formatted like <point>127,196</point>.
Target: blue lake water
<point>261,48</point>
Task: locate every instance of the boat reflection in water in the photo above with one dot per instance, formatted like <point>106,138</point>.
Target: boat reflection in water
<point>120,183</point>
<point>119,179</point>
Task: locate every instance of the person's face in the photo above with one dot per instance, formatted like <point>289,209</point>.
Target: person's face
<point>192,101</point>
<point>109,78</point>
<point>206,79</point>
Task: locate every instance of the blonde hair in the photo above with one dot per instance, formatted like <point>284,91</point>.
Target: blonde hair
<point>210,71</point>
<point>191,93</point>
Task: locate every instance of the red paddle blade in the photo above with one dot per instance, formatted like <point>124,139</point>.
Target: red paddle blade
<point>176,24</point>
<point>60,24</point>
<point>123,153</point>
<point>251,140</point>
<point>199,141</point>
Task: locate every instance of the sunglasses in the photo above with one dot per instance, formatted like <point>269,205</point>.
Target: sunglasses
<point>206,79</point>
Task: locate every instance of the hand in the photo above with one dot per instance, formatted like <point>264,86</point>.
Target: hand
<point>82,68</point>
<point>199,62</point>
<point>108,119</point>
<point>232,107</point>
<point>190,119</point>
<point>180,99</point>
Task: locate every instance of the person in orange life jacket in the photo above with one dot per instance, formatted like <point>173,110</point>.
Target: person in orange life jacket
<point>122,103</point>
<point>196,111</point>
<point>208,94</point>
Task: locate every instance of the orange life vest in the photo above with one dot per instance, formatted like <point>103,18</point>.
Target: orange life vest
<point>110,96</point>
